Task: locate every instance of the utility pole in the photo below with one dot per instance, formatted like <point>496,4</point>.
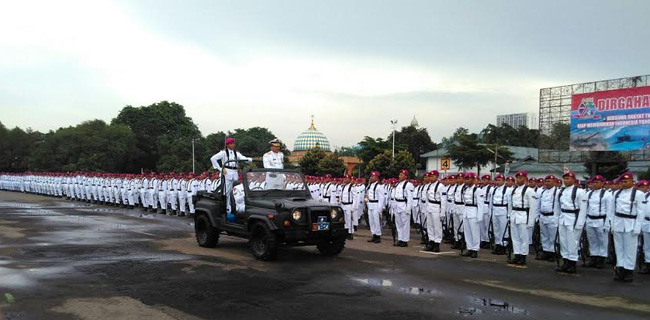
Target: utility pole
<point>393,123</point>
<point>193,167</point>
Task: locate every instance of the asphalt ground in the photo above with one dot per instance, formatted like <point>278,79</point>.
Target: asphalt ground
<point>72,260</point>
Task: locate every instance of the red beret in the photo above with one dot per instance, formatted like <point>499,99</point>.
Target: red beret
<point>404,171</point>
<point>486,176</point>
<point>510,178</point>
<point>532,180</point>
<point>460,175</point>
<point>230,140</point>
<point>470,175</point>
<point>452,177</point>
<point>522,174</point>
<point>627,175</point>
<point>569,174</point>
<point>499,176</point>
<point>375,173</point>
<point>550,176</point>
<point>328,176</point>
<point>598,178</point>
<point>540,180</point>
<point>434,173</point>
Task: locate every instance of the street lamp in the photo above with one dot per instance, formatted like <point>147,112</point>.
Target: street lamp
<point>393,123</point>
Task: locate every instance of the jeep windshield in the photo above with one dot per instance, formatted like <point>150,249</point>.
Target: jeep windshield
<point>265,183</point>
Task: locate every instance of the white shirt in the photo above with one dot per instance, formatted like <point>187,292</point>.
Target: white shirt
<point>273,160</point>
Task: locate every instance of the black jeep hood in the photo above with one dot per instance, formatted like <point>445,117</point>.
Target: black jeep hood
<point>287,203</point>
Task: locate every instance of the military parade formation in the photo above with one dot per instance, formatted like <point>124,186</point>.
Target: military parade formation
<point>561,220</point>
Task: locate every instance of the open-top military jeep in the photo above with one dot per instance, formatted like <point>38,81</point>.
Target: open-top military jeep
<point>277,209</point>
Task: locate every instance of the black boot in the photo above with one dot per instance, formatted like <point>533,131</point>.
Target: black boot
<point>522,260</point>
<point>544,256</point>
<point>378,240</point>
<point>565,264</point>
<point>645,269</point>
<point>600,263</point>
<point>551,257</point>
<point>350,237</point>
<point>474,254</point>
<point>436,247</point>
<point>571,268</point>
<point>485,245</point>
<point>373,238</point>
<point>591,263</point>
<point>618,274</point>
<point>628,275</point>
<point>429,246</point>
<point>456,245</point>
<point>467,253</point>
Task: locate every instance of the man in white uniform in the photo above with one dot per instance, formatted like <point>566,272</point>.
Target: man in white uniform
<point>226,162</point>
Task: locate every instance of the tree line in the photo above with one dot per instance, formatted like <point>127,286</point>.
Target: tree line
<point>157,137</point>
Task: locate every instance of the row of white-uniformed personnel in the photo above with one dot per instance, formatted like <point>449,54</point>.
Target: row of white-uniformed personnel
<point>165,193</point>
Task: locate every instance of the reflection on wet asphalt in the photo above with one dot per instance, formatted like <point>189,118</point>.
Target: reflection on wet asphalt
<point>60,260</point>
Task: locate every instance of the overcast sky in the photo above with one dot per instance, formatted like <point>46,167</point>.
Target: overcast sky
<point>353,64</point>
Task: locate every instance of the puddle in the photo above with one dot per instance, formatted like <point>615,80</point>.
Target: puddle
<point>388,284</point>
<point>495,305</point>
<point>469,311</point>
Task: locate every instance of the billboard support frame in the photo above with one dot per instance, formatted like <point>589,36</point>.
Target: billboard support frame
<point>555,107</point>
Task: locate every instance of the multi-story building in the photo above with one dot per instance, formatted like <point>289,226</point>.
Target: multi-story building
<point>516,120</point>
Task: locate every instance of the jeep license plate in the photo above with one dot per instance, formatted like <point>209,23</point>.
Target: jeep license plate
<point>321,225</point>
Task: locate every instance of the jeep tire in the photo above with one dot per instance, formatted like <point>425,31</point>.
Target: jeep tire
<point>331,247</point>
<point>263,242</point>
<point>207,236</point>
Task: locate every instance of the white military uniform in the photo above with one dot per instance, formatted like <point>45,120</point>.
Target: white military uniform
<point>401,207</point>
<point>521,209</point>
<point>376,197</point>
<point>598,202</point>
<point>571,219</point>
<point>221,161</point>
<point>499,210</point>
<point>548,215</point>
<point>473,204</point>
<point>434,210</point>
<point>348,203</point>
<point>626,218</point>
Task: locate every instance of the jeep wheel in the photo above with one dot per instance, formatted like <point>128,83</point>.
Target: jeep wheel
<point>331,247</point>
<point>263,242</point>
<point>207,236</point>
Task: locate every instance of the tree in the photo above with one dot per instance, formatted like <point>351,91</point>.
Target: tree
<point>89,146</point>
<point>310,161</point>
<point>457,135</point>
<point>369,148</point>
<point>389,167</point>
<point>331,164</point>
<point>152,122</point>
<point>415,141</point>
<point>558,139</point>
<point>509,136</point>
<point>347,152</point>
<point>467,152</point>
<point>609,164</point>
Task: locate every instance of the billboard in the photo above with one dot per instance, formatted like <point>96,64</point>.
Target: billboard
<point>614,120</point>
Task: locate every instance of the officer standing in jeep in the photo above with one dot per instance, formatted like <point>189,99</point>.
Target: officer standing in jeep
<point>220,162</point>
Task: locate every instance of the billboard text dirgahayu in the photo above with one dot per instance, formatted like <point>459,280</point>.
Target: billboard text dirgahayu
<point>614,120</point>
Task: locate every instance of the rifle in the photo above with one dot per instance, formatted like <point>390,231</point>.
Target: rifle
<point>640,253</point>
<point>365,217</point>
<point>556,248</point>
<point>491,234</point>
<point>584,247</point>
<point>423,231</point>
<point>537,239</point>
<point>393,228</point>
<point>461,237</point>
<point>508,238</point>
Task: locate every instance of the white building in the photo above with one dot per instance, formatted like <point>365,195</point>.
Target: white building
<point>516,120</point>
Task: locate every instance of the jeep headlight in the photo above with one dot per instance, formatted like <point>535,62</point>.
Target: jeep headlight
<point>296,214</point>
<point>334,213</point>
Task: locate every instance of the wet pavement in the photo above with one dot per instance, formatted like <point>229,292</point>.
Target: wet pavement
<point>72,260</point>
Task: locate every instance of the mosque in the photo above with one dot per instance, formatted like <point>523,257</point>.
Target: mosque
<point>312,138</point>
